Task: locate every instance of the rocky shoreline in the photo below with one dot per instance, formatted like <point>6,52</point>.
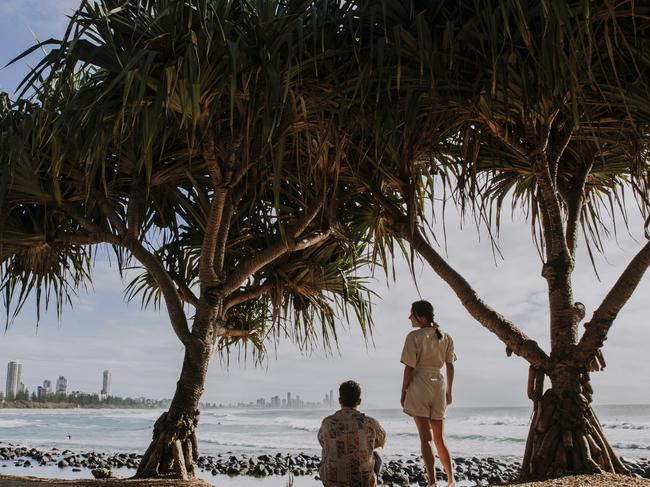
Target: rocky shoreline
<point>398,471</point>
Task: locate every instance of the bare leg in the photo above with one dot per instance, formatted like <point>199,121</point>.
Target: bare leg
<point>426,447</point>
<point>438,427</point>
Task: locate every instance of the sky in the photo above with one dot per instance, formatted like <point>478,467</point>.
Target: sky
<point>103,331</point>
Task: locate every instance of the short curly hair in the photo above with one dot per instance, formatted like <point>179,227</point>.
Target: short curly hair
<point>350,394</point>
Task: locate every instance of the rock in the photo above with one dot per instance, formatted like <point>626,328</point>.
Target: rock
<point>63,463</point>
<point>497,479</point>
<point>76,469</point>
<point>400,478</point>
<point>103,473</point>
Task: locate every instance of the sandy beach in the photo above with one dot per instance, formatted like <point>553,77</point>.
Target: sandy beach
<point>606,480</point>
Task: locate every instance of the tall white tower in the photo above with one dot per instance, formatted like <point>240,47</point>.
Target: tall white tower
<point>106,383</point>
<point>14,373</point>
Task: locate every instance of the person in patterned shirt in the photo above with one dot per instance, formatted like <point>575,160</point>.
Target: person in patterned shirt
<point>350,442</point>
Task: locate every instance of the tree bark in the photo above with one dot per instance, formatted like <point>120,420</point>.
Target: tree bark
<point>563,313</point>
<point>173,448</point>
<point>565,435</point>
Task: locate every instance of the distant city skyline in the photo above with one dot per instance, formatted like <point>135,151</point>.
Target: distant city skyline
<point>14,371</point>
<point>14,384</point>
<point>291,401</point>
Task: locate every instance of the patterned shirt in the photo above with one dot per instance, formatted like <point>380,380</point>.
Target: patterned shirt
<point>348,438</point>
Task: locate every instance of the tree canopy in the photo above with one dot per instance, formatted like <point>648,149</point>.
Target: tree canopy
<point>191,137</point>
<point>252,157</point>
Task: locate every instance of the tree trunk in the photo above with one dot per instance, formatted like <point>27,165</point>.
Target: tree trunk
<point>565,436</point>
<point>173,448</point>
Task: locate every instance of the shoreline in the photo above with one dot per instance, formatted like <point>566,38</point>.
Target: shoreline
<point>592,480</point>
<point>238,469</point>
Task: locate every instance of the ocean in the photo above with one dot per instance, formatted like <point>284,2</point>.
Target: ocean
<point>470,431</point>
<point>481,432</point>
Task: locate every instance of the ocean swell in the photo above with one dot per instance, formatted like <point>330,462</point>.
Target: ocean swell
<point>626,426</point>
<point>16,423</point>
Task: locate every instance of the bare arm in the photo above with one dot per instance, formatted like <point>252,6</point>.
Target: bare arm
<point>450,381</point>
<point>408,376</point>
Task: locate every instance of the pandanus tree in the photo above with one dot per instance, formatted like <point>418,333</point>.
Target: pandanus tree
<point>189,137</point>
<point>542,105</point>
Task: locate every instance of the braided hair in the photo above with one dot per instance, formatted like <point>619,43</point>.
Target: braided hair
<point>425,309</point>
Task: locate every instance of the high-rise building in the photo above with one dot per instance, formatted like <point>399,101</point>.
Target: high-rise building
<point>289,399</point>
<point>62,386</point>
<point>14,372</point>
<point>44,390</point>
<point>275,402</point>
<point>106,383</point>
<point>331,397</point>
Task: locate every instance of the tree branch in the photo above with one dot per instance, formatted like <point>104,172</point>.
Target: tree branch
<point>81,239</point>
<point>222,331</point>
<point>498,131</point>
<point>222,236</point>
<point>209,244</point>
<point>184,290</point>
<point>273,252</point>
<point>247,295</point>
<point>133,209</point>
<point>603,318</point>
<point>167,287</point>
<point>147,259</point>
<point>575,202</point>
<point>214,242</point>
<point>310,214</point>
<point>209,151</point>
<point>507,331</point>
<point>109,212</point>
<point>89,225</point>
<point>556,151</point>
<point>555,241</point>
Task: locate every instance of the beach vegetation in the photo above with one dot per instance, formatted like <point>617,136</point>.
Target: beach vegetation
<point>534,109</point>
<point>190,140</point>
<point>249,158</point>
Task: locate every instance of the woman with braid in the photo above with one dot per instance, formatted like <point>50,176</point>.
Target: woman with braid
<point>425,393</point>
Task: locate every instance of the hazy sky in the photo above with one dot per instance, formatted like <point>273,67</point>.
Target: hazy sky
<point>139,347</point>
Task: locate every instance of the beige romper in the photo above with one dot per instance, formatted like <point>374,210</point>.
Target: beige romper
<point>427,353</point>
